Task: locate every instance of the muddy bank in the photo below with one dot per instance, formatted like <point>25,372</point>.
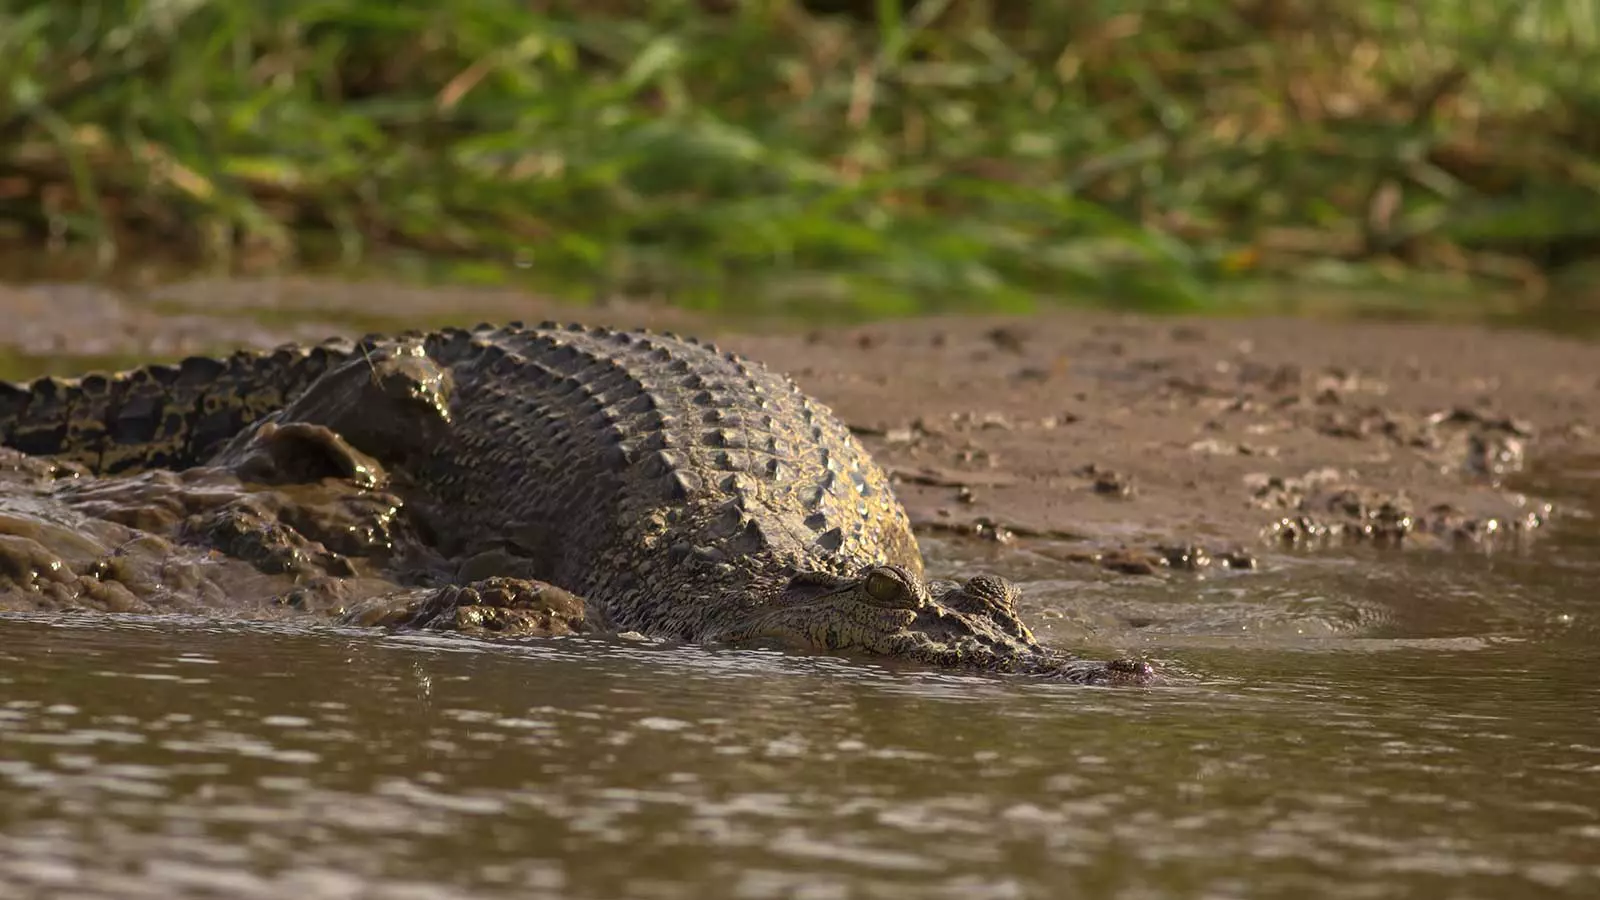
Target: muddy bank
<point>1154,442</point>
<point>1229,435</point>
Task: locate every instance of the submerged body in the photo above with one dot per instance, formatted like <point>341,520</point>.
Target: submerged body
<point>680,491</point>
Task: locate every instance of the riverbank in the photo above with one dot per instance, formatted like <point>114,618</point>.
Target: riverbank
<point>1143,441</point>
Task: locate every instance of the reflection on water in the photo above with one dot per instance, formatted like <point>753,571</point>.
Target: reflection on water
<point>1427,730</point>
<point>153,759</point>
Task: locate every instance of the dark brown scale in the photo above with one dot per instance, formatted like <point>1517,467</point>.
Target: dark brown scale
<point>159,416</point>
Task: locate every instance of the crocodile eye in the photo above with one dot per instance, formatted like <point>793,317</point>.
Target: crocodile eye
<point>889,588</point>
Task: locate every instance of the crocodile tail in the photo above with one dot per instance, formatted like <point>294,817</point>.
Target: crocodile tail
<point>160,416</point>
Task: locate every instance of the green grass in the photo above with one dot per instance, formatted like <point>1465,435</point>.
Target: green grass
<point>960,154</point>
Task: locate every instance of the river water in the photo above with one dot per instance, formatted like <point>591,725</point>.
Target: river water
<point>1416,725</point>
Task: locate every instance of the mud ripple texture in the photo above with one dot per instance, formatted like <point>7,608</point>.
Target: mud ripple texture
<point>1139,445</point>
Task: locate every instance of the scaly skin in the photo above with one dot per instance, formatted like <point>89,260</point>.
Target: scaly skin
<point>679,491</point>
<point>158,417</point>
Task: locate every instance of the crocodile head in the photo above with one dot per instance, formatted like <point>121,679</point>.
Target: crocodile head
<point>888,611</point>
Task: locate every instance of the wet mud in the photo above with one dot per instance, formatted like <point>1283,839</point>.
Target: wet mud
<point>1133,445</point>
<point>1183,443</point>
<point>198,540</point>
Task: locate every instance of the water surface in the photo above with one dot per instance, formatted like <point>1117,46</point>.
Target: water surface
<point>1416,725</point>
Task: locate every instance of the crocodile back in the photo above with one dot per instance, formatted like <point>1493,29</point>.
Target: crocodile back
<point>159,416</point>
<point>630,464</point>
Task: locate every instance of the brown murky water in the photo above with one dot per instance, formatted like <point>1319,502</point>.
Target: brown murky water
<point>1424,727</point>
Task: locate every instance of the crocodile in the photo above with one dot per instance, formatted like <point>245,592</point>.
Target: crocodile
<point>669,487</point>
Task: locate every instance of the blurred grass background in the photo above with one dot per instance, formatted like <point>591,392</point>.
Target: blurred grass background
<point>846,156</point>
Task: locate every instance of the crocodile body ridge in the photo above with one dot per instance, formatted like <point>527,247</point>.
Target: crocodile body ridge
<point>680,490</point>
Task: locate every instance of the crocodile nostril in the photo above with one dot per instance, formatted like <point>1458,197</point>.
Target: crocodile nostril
<point>991,587</point>
<point>1131,670</point>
